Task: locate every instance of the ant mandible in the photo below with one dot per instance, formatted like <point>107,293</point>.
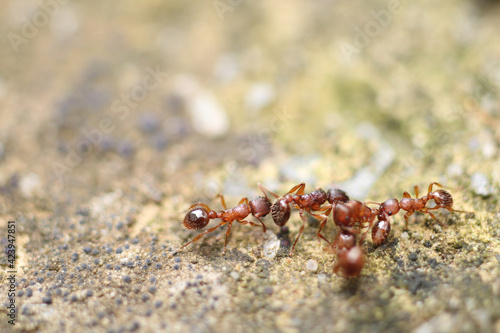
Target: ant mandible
<point>199,215</point>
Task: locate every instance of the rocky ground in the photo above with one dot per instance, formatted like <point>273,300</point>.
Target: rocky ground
<point>115,119</point>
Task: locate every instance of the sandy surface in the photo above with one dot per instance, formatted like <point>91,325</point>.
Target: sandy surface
<point>115,119</point>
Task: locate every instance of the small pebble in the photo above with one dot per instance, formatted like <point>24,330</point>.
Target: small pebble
<point>259,96</point>
<point>208,116</point>
<point>312,265</point>
<point>271,245</point>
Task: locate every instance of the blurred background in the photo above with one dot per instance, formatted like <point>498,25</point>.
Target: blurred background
<point>197,100</point>
<point>141,109</point>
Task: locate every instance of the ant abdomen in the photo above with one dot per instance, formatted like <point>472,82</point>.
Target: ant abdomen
<point>350,261</point>
<point>442,198</point>
<point>280,212</point>
<point>381,231</point>
<point>260,206</point>
<point>196,218</point>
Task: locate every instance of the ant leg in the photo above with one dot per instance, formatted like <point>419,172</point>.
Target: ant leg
<point>321,226</point>
<point>431,185</point>
<point>426,210</point>
<point>323,218</point>
<point>299,189</point>
<point>301,213</point>
<point>363,235</point>
<point>229,226</point>
<point>406,195</point>
<point>199,236</point>
<point>264,229</point>
<point>448,208</point>
<point>264,189</point>
<point>416,191</point>
<point>456,211</point>
<point>222,201</point>
<point>200,204</point>
<point>407,215</point>
<point>243,200</point>
<point>248,222</point>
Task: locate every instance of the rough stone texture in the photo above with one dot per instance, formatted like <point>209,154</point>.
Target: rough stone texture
<point>100,159</point>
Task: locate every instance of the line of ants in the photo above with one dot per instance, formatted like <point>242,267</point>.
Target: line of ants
<point>354,218</point>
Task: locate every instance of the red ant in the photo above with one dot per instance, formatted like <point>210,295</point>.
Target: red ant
<point>442,198</point>
<point>310,203</point>
<point>199,215</point>
<point>351,217</point>
<point>350,257</point>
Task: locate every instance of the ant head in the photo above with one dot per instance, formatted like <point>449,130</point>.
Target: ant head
<point>342,215</point>
<point>390,207</point>
<point>442,198</point>
<point>280,212</point>
<point>196,218</point>
<point>260,206</point>
<point>336,195</point>
<point>358,209</point>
